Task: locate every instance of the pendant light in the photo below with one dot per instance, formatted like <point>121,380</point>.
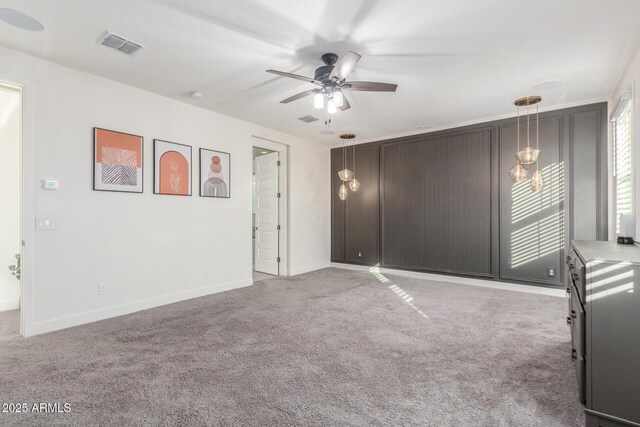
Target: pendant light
<point>518,172</point>
<point>354,184</point>
<point>343,192</point>
<point>529,155</point>
<point>537,182</point>
<point>345,174</point>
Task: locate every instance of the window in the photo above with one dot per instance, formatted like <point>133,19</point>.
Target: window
<point>623,162</point>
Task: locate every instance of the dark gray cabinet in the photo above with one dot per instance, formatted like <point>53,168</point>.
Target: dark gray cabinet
<point>604,314</point>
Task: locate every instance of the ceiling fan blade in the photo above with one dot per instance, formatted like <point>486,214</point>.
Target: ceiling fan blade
<point>295,76</point>
<point>298,96</point>
<point>344,66</point>
<point>345,103</point>
<point>371,86</point>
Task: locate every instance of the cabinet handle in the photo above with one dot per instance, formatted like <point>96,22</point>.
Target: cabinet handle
<point>573,314</point>
<point>575,277</point>
<point>568,320</point>
<point>574,354</point>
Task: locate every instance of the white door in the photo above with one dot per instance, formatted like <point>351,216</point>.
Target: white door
<point>266,242</point>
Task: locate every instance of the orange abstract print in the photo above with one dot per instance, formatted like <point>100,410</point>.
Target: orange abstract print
<point>110,140</point>
<point>174,173</point>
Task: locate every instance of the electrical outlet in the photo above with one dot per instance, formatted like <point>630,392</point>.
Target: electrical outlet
<point>103,288</point>
<point>359,254</point>
<point>551,272</point>
<point>208,271</point>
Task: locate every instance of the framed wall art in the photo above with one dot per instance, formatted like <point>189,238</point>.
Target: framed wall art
<point>172,168</point>
<point>117,161</point>
<point>215,173</point>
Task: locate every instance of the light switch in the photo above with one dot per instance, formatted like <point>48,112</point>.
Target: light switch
<point>49,184</point>
<point>46,224</point>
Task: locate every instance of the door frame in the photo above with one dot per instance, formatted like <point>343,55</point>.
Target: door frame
<point>27,183</point>
<point>283,201</point>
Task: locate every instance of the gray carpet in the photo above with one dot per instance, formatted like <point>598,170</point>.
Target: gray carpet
<point>9,324</point>
<point>331,347</point>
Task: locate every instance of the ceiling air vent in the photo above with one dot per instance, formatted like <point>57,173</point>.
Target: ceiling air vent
<point>308,119</point>
<point>119,43</point>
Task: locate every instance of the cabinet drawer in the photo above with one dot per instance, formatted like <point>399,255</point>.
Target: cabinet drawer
<point>578,341</point>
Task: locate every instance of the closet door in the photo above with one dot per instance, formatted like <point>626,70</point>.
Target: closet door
<point>362,224</point>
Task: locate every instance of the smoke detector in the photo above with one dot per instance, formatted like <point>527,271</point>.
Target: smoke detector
<point>119,43</point>
<point>194,94</point>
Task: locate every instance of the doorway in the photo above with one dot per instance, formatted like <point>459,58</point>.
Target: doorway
<point>11,212</point>
<point>266,225</point>
<point>270,209</point>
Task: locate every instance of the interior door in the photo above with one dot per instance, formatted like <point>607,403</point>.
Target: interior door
<point>266,241</point>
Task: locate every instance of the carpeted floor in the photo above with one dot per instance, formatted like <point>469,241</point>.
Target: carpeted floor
<point>9,324</point>
<point>331,347</point>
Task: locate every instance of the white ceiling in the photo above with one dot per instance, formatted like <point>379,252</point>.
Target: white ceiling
<point>454,61</point>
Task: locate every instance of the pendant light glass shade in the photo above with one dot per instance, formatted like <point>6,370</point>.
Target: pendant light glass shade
<point>345,174</point>
<point>518,172</point>
<point>343,192</point>
<point>354,184</point>
<point>318,100</point>
<point>528,155</point>
<point>536,182</point>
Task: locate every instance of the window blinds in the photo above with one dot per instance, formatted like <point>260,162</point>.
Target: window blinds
<point>623,164</point>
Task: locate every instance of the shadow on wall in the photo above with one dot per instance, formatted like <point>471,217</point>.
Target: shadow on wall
<point>539,217</point>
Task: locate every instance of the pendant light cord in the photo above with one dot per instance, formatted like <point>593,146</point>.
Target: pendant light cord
<point>537,135</point>
<point>518,127</point>
<point>528,122</point>
<point>354,158</point>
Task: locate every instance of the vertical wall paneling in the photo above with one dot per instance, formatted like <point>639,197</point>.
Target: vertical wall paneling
<point>362,220</point>
<point>584,148</point>
<point>446,203</point>
<point>338,210</point>
<point>532,224</point>
<point>436,214</point>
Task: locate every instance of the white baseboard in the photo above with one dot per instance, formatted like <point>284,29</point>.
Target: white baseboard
<point>302,270</point>
<point>10,304</point>
<point>119,310</point>
<point>457,279</point>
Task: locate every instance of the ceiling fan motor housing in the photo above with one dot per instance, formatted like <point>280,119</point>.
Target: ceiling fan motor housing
<point>322,73</point>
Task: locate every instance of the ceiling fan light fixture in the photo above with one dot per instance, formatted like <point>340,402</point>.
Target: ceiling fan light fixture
<point>318,101</point>
<point>332,108</point>
<point>338,98</point>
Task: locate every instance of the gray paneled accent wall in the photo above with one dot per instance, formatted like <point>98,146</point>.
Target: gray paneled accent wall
<point>443,202</point>
<point>532,224</point>
<point>420,198</point>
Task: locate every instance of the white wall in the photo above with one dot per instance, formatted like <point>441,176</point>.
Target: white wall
<point>631,78</point>
<point>10,111</point>
<point>150,249</point>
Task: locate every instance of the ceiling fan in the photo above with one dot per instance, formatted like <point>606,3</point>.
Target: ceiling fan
<point>331,81</point>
